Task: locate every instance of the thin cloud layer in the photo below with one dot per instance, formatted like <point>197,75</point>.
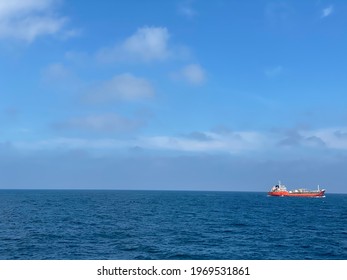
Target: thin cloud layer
<point>147,44</point>
<point>56,72</point>
<point>274,71</point>
<point>238,142</point>
<point>192,74</point>
<point>327,11</point>
<point>185,9</point>
<point>100,123</point>
<point>278,13</point>
<point>124,87</point>
<point>27,20</point>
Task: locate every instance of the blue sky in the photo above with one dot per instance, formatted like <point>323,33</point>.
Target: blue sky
<point>186,95</point>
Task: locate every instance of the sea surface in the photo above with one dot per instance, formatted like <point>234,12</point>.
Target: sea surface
<point>90,224</point>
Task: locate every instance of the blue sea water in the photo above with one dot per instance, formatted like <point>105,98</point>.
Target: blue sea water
<point>88,224</point>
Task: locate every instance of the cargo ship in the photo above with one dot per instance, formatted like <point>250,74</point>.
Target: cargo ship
<point>281,190</point>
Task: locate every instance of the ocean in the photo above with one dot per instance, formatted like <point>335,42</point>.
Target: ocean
<point>166,225</point>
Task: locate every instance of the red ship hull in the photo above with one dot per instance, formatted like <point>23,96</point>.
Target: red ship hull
<point>297,194</point>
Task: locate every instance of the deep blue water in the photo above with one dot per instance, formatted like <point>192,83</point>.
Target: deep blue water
<point>76,224</point>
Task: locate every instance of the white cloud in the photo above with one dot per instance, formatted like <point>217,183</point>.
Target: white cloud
<point>60,79</point>
<point>100,123</point>
<point>122,87</point>
<point>185,9</point>
<point>334,138</point>
<point>146,45</point>
<point>69,143</point>
<point>327,11</point>
<point>192,73</point>
<point>248,141</point>
<point>28,19</point>
<point>9,8</point>
<point>56,72</point>
<point>239,142</point>
<point>231,143</point>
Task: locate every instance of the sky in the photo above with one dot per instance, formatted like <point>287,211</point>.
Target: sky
<point>219,95</point>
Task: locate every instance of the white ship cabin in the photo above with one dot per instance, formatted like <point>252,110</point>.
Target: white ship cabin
<point>279,187</point>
